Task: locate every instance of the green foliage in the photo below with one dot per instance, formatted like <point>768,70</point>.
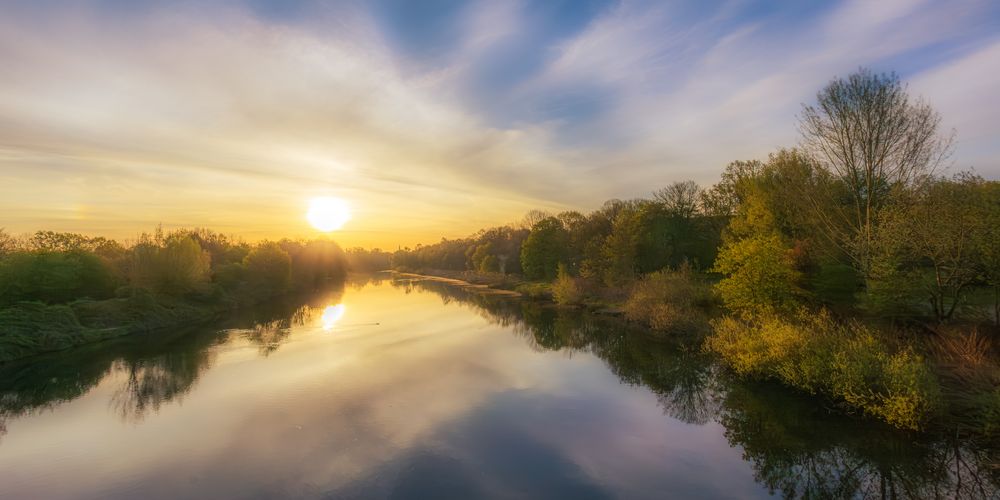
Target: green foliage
<point>565,289</point>
<point>760,275</point>
<point>846,361</point>
<point>835,283</point>
<point>175,266</point>
<point>672,301</point>
<point>544,249</point>
<point>269,269</point>
<point>483,259</point>
<point>229,276</point>
<point>163,280</point>
<point>936,244</point>
<point>54,276</point>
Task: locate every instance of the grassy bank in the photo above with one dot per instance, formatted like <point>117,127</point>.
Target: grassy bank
<point>29,328</point>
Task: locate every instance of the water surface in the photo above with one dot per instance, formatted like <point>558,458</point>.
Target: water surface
<point>417,389</point>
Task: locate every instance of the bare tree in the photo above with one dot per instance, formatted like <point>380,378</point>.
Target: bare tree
<point>680,198</point>
<point>533,217</point>
<point>875,140</point>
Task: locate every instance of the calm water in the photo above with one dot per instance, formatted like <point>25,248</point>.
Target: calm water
<point>400,389</point>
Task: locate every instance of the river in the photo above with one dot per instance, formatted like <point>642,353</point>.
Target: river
<point>399,388</point>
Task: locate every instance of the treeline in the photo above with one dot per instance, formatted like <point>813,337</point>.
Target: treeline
<point>56,268</point>
<point>63,289</point>
<point>850,265</point>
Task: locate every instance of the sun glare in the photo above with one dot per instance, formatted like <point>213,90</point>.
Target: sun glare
<point>328,213</point>
<point>331,315</point>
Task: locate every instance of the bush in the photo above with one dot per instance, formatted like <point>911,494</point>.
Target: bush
<point>845,361</point>
<point>670,301</point>
<point>565,289</point>
<point>535,290</point>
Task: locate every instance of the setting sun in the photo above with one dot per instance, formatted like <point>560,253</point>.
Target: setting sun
<point>327,213</point>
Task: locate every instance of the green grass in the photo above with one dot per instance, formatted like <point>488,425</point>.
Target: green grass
<point>28,328</point>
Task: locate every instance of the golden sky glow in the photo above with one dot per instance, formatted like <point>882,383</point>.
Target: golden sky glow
<point>118,116</point>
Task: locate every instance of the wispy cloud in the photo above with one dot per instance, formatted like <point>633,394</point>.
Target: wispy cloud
<point>434,121</point>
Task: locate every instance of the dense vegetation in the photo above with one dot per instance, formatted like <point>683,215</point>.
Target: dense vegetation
<point>850,266</point>
<point>62,289</point>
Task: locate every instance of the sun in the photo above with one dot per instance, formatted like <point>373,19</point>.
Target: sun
<point>327,213</point>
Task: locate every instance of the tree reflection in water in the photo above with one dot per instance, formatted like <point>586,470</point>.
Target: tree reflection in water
<point>798,446</point>
<point>155,368</point>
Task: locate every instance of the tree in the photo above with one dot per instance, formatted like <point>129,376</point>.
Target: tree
<point>679,199</point>
<point>7,243</point>
<point>54,277</point>
<point>934,244</point>
<point>176,267</point>
<point>876,141</point>
<point>760,275</point>
<point>544,249</point>
<point>725,197</point>
<point>268,269</point>
<point>988,245</point>
<point>483,259</point>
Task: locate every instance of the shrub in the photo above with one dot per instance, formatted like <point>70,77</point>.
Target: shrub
<point>565,289</point>
<point>670,301</point>
<point>845,361</point>
<point>535,290</point>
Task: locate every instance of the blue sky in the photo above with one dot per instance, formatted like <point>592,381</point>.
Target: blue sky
<point>437,117</point>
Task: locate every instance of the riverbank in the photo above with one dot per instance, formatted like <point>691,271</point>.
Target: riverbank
<point>611,303</point>
<point>31,328</point>
<point>943,379</point>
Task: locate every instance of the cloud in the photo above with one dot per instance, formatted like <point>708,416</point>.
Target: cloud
<point>233,115</point>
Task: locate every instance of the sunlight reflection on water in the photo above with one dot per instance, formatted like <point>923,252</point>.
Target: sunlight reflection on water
<point>331,315</point>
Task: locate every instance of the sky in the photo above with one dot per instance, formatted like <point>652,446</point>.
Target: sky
<point>435,118</point>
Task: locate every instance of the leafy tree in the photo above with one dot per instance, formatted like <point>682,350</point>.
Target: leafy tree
<point>760,275</point>
<point>483,260</point>
<point>544,249</point>
<point>931,244</point>
<point>268,268</point>
<point>176,267</point>
<point>54,277</point>
<point>988,245</point>
<point>725,197</point>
